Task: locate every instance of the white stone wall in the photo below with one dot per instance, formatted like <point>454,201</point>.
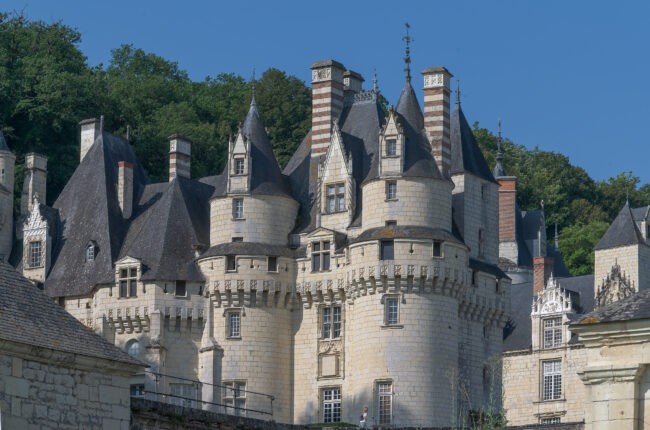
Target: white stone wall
<point>420,201</point>
<point>267,219</point>
<point>37,395</point>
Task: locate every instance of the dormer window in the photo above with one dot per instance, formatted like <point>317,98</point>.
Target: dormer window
<point>239,166</point>
<point>335,198</point>
<point>128,282</point>
<point>35,254</point>
<point>391,148</point>
<point>320,256</point>
<point>90,252</point>
<point>552,332</point>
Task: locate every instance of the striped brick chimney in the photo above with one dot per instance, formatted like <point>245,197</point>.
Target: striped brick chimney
<point>179,156</point>
<point>542,270</point>
<point>327,102</point>
<point>437,115</point>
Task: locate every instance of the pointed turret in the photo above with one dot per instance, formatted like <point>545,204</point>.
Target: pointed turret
<point>623,231</point>
<point>499,170</point>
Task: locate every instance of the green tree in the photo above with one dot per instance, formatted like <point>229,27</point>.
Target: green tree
<point>577,245</point>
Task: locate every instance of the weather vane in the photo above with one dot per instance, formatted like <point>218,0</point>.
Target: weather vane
<point>407,59</point>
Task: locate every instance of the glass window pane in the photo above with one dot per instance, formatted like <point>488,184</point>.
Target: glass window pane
<point>331,190</point>
<point>326,245</point>
<point>340,203</point>
<point>316,246</point>
<point>326,261</point>
<point>315,262</point>
<point>331,204</point>
<point>341,189</point>
<point>387,250</point>
<point>336,329</point>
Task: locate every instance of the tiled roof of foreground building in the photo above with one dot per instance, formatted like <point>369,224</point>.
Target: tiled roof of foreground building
<point>29,317</point>
<point>635,307</point>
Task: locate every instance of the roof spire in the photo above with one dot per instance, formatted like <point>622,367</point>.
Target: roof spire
<point>457,93</point>
<point>407,58</point>
<point>253,88</point>
<point>374,82</point>
<point>627,196</point>
<point>498,168</point>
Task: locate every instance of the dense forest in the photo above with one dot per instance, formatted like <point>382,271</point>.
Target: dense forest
<point>47,87</point>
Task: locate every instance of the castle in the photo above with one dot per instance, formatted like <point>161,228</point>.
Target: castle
<point>363,274</point>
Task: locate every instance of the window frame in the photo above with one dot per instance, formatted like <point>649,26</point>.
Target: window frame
<point>231,259</point>
<point>31,256</point>
<point>391,196</point>
<point>230,314</point>
<point>555,330</point>
<point>269,267</point>
<point>391,148</point>
<point>183,387</point>
<point>233,395</point>
<point>383,250</point>
<point>184,288</point>
<point>237,166</point>
<point>384,395</point>
<point>136,391</point>
<point>90,252</point>
<point>238,209</point>
<point>388,321</point>
<point>127,282</point>
<point>334,401</point>
<point>554,391</point>
<point>130,344</point>
<point>550,420</point>
<point>433,249</point>
<point>321,251</point>
<point>331,328</point>
<point>337,197</point>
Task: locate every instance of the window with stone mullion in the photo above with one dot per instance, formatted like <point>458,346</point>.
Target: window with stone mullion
<point>552,380</point>
<point>335,198</point>
<point>552,332</point>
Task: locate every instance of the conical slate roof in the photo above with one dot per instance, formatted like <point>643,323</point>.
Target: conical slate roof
<point>266,176</point>
<point>622,232</point>
<point>3,142</point>
<point>466,156</point>
<point>418,159</point>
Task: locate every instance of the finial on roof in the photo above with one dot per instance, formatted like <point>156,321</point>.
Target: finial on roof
<point>101,124</point>
<point>457,93</point>
<point>557,246</point>
<point>128,132</point>
<point>498,168</point>
<point>374,82</point>
<point>253,101</point>
<point>407,58</point>
<point>542,205</point>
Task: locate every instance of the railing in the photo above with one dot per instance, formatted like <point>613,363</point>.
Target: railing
<point>231,399</point>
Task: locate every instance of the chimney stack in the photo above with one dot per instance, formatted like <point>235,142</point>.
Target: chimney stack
<point>327,102</point>
<point>125,188</point>
<point>179,156</point>
<point>542,270</point>
<point>437,115</point>
<point>507,208</point>
<point>35,182</point>
<point>90,130</point>
<point>352,83</point>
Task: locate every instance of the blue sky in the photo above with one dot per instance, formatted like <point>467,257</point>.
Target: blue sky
<point>568,76</point>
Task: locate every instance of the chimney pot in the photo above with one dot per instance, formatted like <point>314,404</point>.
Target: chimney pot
<point>125,188</point>
<point>542,270</point>
<point>179,156</point>
<point>352,82</point>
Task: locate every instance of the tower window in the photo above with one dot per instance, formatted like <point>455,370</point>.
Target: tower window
<point>331,322</point>
<point>552,380</point>
<point>128,282</point>
<point>234,324</point>
<point>391,148</point>
<point>238,208</point>
<point>272,264</point>
<point>391,311</point>
<point>385,402</point>
<point>239,166</point>
<point>552,332</point>
<point>437,248</point>
<point>335,198</point>
<point>133,348</point>
<point>320,256</point>
<point>387,251</point>
<point>35,254</point>
<point>231,263</point>
<point>391,190</point>
<point>331,405</point>
<point>181,289</point>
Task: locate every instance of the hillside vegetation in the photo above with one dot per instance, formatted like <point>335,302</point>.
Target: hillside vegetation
<point>47,87</point>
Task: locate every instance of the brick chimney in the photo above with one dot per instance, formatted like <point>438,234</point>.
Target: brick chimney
<point>507,208</point>
<point>437,115</point>
<point>90,130</point>
<point>125,188</point>
<point>542,269</point>
<point>327,102</point>
<point>35,182</point>
<point>352,83</point>
<point>179,156</point>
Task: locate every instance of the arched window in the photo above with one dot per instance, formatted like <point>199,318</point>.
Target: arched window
<point>133,348</point>
<point>90,251</point>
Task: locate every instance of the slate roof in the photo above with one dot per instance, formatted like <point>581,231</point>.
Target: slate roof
<point>634,307</point>
<point>466,156</point>
<point>623,231</point>
<point>559,267</point>
<point>405,232</point>
<point>517,334</point>
<point>482,266</point>
<point>28,316</point>
<point>89,211</point>
<point>3,142</point>
<point>266,176</point>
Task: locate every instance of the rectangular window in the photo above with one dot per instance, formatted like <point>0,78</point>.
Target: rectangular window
<point>385,402</point>
<point>387,251</point>
<point>183,395</point>
<point>552,332</point>
<point>331,322</point>
<point>391,223</point>
<point>391,147</point>
<point>552,380</point>
<point>234,397</point>
<point>272,264</point>
<point>35,254</point>
<point>238,208</point>
<point>181,289</point>
<point>335,198</point>
<point>239,166</point>
<point>437,248</point>
<point>320,256</point>
<point>231,263</point>
<point>391,190</point>
<point>128,281</point>
<point>237,239</point>
<point>331,405</point>
<point>234,324</point>
<point>392,311</point>
<point>137,391</point>
<point>552,420</point>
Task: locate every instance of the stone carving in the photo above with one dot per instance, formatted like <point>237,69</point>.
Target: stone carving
<point>615,287</point>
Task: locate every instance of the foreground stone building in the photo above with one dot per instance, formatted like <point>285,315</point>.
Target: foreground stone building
<point>363,274</point>
<point>54,373</point>
<point>574,349</point>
